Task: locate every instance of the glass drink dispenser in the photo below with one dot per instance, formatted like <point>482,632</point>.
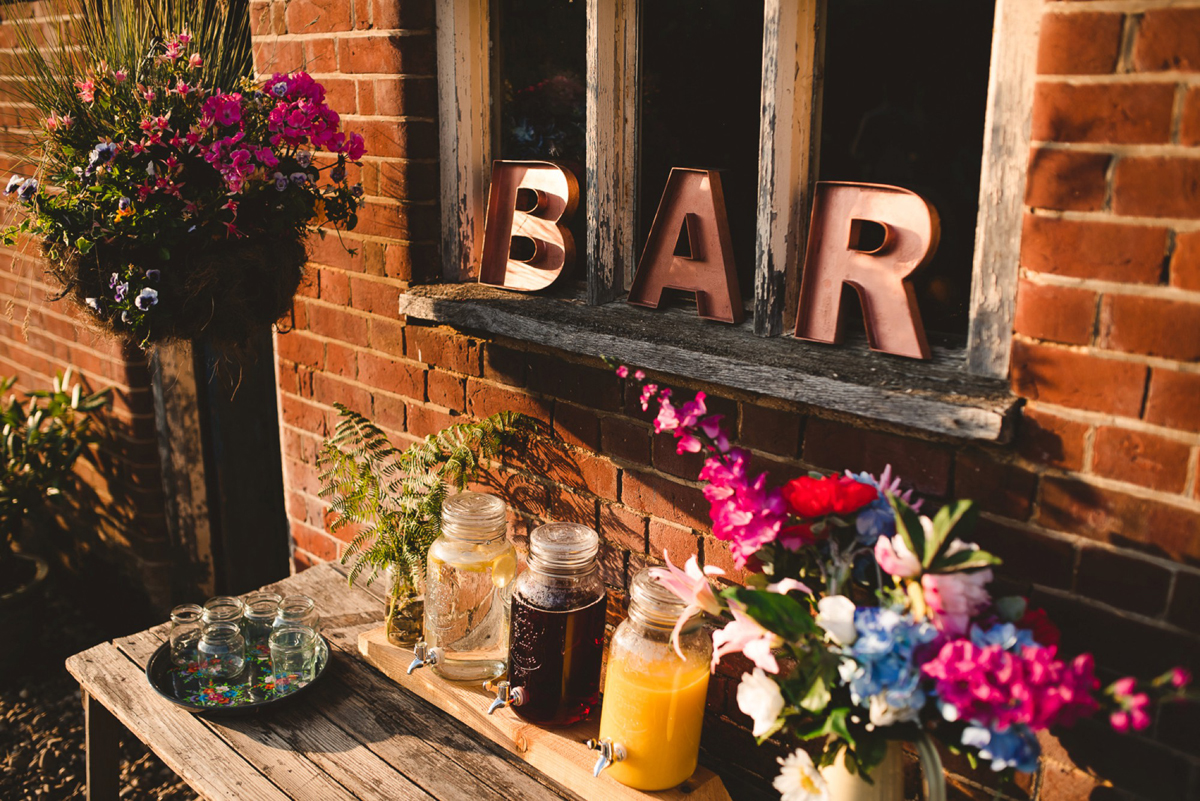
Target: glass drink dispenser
<point>653,699</point>
<point>557,636</point>
<point>469,580</point>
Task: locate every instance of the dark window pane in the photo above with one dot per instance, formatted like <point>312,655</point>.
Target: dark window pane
<point>701,75</point>
<point>904,99</point>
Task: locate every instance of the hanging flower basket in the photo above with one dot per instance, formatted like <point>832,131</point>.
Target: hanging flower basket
<point>170,209</point>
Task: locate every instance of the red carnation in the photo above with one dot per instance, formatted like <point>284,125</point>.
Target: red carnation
<point>817,497</point>
<point>1040,625</point>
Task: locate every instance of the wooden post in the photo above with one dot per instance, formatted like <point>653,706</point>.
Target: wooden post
<point>102,750</point>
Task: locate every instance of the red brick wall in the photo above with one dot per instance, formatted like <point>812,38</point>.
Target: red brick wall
<point>40,337</point>
<point>1094,507</point>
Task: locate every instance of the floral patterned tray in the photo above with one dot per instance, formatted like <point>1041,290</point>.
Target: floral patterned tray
<point>255,689</point>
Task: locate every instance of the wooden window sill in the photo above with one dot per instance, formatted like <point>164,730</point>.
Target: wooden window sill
<point>939,396</point>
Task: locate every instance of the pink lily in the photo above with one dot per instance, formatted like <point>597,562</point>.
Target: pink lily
<point>691,585</point>
<point>87,90</point>
<point>744,635</point>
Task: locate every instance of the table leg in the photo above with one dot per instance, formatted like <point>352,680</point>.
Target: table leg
<point>102,750</point>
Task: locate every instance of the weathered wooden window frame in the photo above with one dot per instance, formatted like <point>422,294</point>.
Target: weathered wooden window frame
<point>788,153</point>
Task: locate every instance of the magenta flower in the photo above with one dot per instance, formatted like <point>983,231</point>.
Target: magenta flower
<point>87,90</point>
<point>622,371</point>
<point>195,61</point>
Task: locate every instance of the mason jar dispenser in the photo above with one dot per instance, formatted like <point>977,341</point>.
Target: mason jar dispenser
<point>653,698</point>
<point>556,639</point>
<point>469,580</point>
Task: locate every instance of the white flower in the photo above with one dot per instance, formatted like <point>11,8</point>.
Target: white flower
<point>835,614</point>
<point>799,779</point>
<point>759,697</point>
<point>884,714</point>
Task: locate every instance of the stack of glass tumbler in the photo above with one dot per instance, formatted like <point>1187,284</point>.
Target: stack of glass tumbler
<point>545,629</point>
<point>219,636</point>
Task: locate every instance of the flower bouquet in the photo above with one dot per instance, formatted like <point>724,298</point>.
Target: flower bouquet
<point>867,622</point>
<point>173,201</point>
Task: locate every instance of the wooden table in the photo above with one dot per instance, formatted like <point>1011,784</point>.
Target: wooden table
<point>355,735</point>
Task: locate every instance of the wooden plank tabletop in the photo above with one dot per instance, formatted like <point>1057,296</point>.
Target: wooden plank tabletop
<point>356,735</point>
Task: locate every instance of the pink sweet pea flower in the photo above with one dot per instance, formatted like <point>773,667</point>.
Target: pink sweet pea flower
<point>622,371</point>
<point>691,585</point>
<point>744,635</point>
<point>955,598</point>
<point>1180,678</point>
<point>895,559</point>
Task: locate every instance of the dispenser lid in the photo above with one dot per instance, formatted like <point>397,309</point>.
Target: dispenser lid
<point>474,516</point>
<point>566,545</point>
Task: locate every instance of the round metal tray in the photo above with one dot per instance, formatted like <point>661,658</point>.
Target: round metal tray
<point>254,690</point>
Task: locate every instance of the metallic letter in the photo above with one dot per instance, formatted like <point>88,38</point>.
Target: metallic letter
<point>556,193</point>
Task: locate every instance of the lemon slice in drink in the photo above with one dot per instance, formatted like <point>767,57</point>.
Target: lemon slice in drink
<point>504,570</point>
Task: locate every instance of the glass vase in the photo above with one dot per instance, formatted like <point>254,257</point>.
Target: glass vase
<point>405,612</point>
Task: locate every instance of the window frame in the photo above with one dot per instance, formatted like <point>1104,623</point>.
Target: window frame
<point>788,154</point>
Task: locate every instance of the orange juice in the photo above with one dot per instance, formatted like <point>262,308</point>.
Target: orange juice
<point>654,709</point>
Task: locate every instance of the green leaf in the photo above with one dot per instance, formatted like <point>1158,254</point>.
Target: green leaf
<point>817,697</point>
<point>83,245</point>
<point>780,614</point>
<point>960,515</point>
<point>908,525</point>
<point>964,560</point>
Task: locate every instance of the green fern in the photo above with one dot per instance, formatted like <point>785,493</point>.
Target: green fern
<point>396,496</point>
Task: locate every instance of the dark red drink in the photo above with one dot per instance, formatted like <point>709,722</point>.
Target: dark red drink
<point>554,657</point>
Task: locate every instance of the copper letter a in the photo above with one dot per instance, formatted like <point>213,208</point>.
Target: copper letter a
<point>555,193</point>
<point>839,253</point>
<point>692,205</point>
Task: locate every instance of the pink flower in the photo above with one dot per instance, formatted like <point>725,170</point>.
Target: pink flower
<point>66,121</point>
<point>622,371</point>
<point>1180,678</point>
<point>668,418</point>
<point>955,598</point>
<point>356,147</point>
<point>744,635</point>
<point>648,392</point>
<point>895,559</point>
<point>1124,687</point>
<point>691,585</point>
<point>184,37</point>
<point>87,90</point>
<point>182,89</point>
<point>1119,721</point>
<point>195,61</point>
<point>747,514</point>
<point>120,75</point>
<point>639,375</point>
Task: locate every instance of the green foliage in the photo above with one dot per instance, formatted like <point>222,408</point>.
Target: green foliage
<point>42,437</point>
<point>396,496</point>
<point>954,521</point>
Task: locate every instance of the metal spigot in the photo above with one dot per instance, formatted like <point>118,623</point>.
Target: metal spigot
<point>507,696</point>
<point>424,656</point>
<point>610,752</point>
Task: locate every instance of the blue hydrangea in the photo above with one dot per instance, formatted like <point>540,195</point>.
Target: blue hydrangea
<point>1005,635</point>
<point>876,518</point>
<point>880,669</point>
<point>1016,747</point>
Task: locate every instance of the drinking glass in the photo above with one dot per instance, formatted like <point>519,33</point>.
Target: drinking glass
<point>222,651</point>
<point>293,655</point>
<point>258,619</point>
<point>297,609</point>
<point>223,609</point>
<point>186,622</point>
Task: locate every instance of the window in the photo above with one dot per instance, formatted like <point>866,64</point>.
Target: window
<point>797,114</point>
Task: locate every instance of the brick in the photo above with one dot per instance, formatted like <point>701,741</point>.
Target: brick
<point>625,439</point>
<point>664,455</point>
<point>1123,581</point>
<point>1185,261</point>
<point>1141,458</point>
<point>414,96</point>
<point>1055,313</point>
<point>571,507</point>
<point>676,541</point>
<point>390,53</point>
<point>1081,381</point>
<point>622,527</point>
<point>504,365</point>
<point>1029,557</point>
<point>301,348</point>
<point>586,473</point>
<point>386,336</point>
<point>390,412</point>
<point>401,139</point>
<point>1106,251</point>
<point>337,323</point>
<point>341,360</point>
<point>333,287</point>
<point>318,16</point>
<point>591,386</point>
<point>1047,439</point>
<point>577,425</point>
<point>1152,326</point>
<point>716,553</point>
<point>316,542</point>
<point>1189,124</point>
<point>1166,40</point>
<point>1067,180</point>
<point>1079,44</point>
<point>772,430</point>
<point>340,94</point>
<point>1185,601</point>
<point>1157,186</point>
<point>485,399</point>
<point>375,297</point>
<point>277,55</point>
<point>448,350</point>
<point>1004,489</point>
<point>386,14</point>
<point>1172,400</point>
<point>392,375</point>
<point>661,497</point>
<point>421,420</point>
<point>1135,766</point>
<point>446,389</point>
<point>837,446</point>
<point>302,415</point>
<point>1118,518</point>
<point>1118,113</point>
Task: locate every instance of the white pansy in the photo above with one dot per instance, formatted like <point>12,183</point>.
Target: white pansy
<point>759,697</point>
<point>835,614</point>
<point>799,779</point>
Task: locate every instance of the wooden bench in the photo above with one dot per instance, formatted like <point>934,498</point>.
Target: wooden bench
<point>356,735</point>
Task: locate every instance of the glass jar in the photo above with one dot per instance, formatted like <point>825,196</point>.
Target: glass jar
<point>223,609</point>
<point>297,609</point>
<point>471,568</point>
<point>222,651</point>
<point>258,618</point>
<point>556,640</point>
<point>653,699</point>
<point>293,656</point>
<point>405,605</point>
<point>186,622</point>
